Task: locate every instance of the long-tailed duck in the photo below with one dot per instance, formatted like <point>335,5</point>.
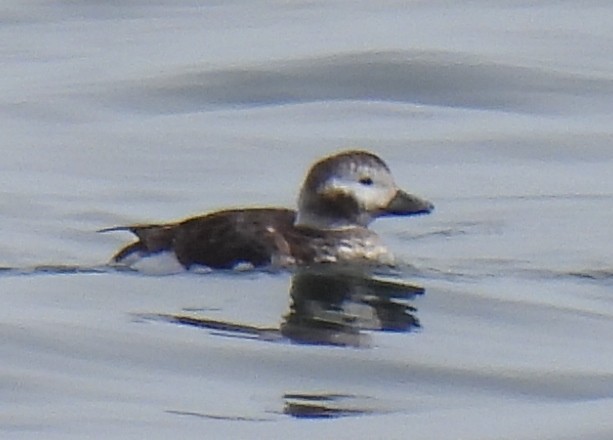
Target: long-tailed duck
<point>341,195</point>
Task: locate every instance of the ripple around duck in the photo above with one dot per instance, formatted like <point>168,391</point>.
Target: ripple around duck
<point>306,406</point>
<point>327,406</point>
<point>59,269</point>
<point>327,307</point>
<point>421,77</point>
<point>599,276</point>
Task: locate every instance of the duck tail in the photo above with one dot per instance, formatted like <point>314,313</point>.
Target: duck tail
<point>151,240</point>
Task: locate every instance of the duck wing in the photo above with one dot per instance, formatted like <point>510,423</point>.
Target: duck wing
<point>226,238</point>
<point>219,240</point>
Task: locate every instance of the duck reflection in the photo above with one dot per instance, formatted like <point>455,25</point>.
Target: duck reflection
<point>329,306</point>
<point>334,306</point>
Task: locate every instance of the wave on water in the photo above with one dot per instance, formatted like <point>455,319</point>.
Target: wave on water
<point>418,77</point>
<point>469,270</point>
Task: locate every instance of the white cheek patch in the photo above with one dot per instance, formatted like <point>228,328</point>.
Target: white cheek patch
<point>370,197</point>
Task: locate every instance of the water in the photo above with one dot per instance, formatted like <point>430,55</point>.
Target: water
<point>120,113</point>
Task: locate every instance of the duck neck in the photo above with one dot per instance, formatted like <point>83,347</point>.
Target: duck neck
<point>324,214</point>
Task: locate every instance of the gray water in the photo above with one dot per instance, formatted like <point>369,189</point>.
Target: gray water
<point>500,113</point>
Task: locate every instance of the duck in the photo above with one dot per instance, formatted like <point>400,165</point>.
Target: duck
<point>341,196</point>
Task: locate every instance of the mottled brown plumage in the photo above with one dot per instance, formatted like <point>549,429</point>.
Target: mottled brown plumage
<point>340,196</point>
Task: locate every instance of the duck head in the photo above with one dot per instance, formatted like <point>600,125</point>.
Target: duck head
<point>351,189</point>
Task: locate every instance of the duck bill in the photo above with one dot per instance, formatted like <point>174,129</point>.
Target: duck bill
<point>404,203</point>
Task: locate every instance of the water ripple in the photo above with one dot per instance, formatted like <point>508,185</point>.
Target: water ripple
<point>420,77</point>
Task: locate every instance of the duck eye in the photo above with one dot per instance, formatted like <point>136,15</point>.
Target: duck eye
<point>366,181</point>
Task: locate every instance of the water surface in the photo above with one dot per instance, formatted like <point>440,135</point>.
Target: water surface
<point>120,113</point>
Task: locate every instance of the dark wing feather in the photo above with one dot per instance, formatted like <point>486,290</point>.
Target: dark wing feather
<point>223,239</point>
<point>218,240</point>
